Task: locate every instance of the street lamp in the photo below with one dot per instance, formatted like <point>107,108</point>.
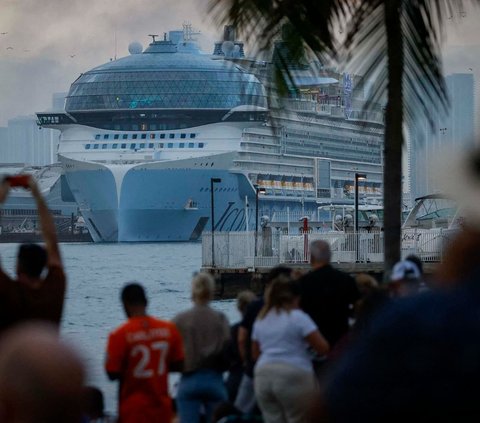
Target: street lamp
<point>213,181</point>
<point>258,190</point>
<point>358,177</point>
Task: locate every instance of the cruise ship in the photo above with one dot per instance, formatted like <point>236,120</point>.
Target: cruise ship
<point>143,136</point>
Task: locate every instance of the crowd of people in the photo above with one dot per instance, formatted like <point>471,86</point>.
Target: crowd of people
<point>320,346</point>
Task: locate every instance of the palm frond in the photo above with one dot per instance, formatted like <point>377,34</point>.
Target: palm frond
<point>422,33</point>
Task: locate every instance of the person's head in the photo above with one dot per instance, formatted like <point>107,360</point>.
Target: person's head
<point>31,260</point>
<point>282,294</point>
<point>134,299</point>
<point>93,403</point>
<point>418,262</point>
<point>203,288</point>
<point>365,283</point>
<point>41,378</point>
<point>405,279</point>
<point>244,298</point>
<point>320,253</point>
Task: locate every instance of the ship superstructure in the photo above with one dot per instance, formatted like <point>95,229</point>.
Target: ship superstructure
<point>142,136</point>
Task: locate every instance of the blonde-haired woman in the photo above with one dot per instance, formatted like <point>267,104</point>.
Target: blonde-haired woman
<point>205,334</point>
<point>284,379</point>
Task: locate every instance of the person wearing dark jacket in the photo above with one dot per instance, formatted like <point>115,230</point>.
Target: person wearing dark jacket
<point>327,294</point>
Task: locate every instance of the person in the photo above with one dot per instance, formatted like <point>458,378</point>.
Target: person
<point>366,284</point>
<point>417,261</point>
<point>205,333</point>
<point>32,296</point>
<point>140,354</point>
<point>405,279</point>
<point>41,377</point>
<point>418,361</point>
<point>94,406</point>
<point>328,295</point>
<point>245,400</point>
<point>284,379</point>
<point>235,370</point>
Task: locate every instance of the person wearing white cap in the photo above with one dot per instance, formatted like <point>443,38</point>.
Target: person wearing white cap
<point>405,279</point>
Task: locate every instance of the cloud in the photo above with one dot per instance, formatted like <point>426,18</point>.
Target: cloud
<point>45,34</point>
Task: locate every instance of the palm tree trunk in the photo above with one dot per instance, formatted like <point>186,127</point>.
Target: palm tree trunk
<point>392,175</point>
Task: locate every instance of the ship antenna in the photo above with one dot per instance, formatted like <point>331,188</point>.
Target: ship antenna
<point>153,36</point>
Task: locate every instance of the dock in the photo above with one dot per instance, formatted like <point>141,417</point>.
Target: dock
<point>240,260</point>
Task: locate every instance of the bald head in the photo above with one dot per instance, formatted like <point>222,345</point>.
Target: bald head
<point>41,378</point>
<point>320,253</point>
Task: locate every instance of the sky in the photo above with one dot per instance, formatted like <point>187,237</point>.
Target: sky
<point>46,44</point>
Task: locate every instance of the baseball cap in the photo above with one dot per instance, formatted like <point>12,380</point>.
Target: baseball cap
<point>405,269</point>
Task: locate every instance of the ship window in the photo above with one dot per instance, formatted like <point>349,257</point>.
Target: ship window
<point>124,145</point>
<point>192,135</point>
<point>105,137</point>
<point>191,145</point>
<point>87,146</point>
<point>104,146</point>
<point>183,135</point>
<point>114,146</point>
<point>134,136</point>
<point>160,145</point>
<point>170,145</point>
<point>144,136</point>
<point>182,145</point>
<point>115,137</point>
<point>200,145</point>
<point>95,146</point>
<point>125,136</point>
<point>132,146</point>
<point>150,145</point>
<point>142,145</point>
<point>152,136</point>
<point>97,137</point>
<point>171,136</point>
<point>162,135</point>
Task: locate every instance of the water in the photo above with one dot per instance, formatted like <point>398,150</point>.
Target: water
<point>96,274</point>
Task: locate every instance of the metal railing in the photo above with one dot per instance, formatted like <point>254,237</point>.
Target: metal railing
<point>237,249</point>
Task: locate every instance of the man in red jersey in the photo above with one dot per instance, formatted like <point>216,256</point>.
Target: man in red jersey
<point>140,354</point>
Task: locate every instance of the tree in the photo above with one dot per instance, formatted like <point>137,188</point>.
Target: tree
<point>397,41</point>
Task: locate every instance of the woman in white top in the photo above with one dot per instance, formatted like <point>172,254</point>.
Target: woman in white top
<point>284,379</point>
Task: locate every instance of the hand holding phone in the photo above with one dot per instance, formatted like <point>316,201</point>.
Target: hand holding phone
<point>19,181</point>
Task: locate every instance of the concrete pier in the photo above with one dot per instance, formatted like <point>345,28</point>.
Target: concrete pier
<point>229,282</point>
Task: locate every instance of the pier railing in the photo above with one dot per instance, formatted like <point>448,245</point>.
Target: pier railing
<point>240,250</point>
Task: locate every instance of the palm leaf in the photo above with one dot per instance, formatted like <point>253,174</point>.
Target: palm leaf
<point>422,32</point>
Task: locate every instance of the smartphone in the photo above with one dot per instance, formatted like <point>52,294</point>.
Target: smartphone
<point>18,180</point>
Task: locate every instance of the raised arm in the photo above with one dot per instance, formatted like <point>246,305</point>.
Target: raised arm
<point>48,226</point>
<point>4,188</point>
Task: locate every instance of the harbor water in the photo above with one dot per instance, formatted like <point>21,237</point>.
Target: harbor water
<point>96,274</point>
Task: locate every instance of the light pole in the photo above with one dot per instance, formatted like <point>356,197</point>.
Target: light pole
<point>258,190</point>
<point>213,181</point>
<point>358,177</point>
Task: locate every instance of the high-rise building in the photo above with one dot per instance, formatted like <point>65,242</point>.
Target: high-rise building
<point>58,101</point>
<point>23,141</point>
<point>454,130</point>
<point>28,143</point>
<point>3,143</point>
